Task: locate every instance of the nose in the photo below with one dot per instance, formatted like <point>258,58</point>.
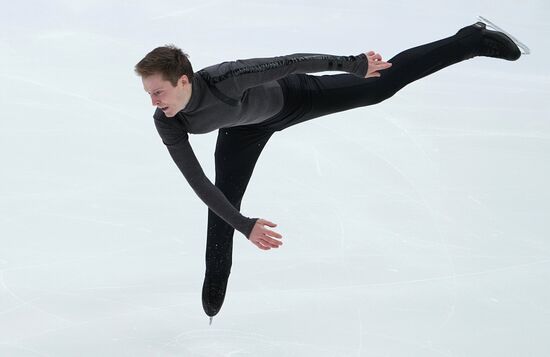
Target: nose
<point>154,101</point>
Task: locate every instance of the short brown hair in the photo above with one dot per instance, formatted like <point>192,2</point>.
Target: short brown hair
<point>169,61</point>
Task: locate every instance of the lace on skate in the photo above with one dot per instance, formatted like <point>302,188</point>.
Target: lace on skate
<point>524,49</point>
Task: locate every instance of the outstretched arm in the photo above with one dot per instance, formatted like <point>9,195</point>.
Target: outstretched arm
<point>234,77</point>
<point>177,143</point>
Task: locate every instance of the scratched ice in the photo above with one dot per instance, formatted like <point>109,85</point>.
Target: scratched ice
<point>416,227</point>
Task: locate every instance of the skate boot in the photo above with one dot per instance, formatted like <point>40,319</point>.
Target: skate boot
<point>213,292</point>
<point>524,49</point>
<point>489,43</point>
<point>497,44</point>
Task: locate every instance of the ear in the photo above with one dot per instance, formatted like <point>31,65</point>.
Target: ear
<point>184,79</point>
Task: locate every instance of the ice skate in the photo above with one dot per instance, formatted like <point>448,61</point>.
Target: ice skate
<point>524,49</point>
<point>497,44</point>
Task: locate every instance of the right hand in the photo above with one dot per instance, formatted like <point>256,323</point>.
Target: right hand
<point>264,238</point>
<point>375,64</point>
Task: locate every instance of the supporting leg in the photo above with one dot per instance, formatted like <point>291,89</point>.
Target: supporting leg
<point>237,151</point>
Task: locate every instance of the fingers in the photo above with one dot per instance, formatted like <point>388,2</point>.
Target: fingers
<point>261,246</point>
<point>274,243</point>
<point>377,61</point>
<point>382,65</point>
<point>264,238</point>
<point>376,57</point>
<point>376,64</point>
<point>267,243</point>
<point>272,234</point>
<point>268,239</point>
<point>268,223</point>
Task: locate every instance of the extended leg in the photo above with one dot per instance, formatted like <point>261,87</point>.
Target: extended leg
<point>334,93</point>
<point>342,92</point>
<point>237,151</point>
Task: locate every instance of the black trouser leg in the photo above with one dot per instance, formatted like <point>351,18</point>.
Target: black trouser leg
<point>237,151</point>
<point>310,96</point>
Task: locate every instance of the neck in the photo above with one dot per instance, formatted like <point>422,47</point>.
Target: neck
<point>187,95</point>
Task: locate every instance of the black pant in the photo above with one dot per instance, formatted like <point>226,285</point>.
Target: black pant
<point>308,97</point>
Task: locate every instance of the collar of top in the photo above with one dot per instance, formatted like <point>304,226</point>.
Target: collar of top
<point>194,100</point>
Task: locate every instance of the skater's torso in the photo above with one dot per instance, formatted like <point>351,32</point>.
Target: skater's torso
<point>209,109</point>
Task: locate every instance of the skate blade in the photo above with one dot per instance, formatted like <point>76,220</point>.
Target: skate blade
<point>523,47</point>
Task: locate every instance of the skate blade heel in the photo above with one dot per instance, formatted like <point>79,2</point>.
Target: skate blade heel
<point>523,47</point>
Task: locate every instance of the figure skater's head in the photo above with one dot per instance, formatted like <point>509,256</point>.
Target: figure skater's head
<point>167,75</point>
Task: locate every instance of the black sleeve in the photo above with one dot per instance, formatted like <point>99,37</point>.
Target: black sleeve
<point>234,77</point>
<point>177,142</point>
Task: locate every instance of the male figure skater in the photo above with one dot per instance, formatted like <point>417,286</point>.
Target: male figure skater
<point>249,100</point>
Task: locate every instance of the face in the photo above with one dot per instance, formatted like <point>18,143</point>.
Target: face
<point>165,96</point>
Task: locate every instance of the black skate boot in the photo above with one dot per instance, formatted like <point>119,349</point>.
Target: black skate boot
<point>497,44</point>
<point>213,292</point>
<point>484,42</point>
<point>525,50</point>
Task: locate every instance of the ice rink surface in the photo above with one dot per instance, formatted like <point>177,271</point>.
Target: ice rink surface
<point>416,227</point>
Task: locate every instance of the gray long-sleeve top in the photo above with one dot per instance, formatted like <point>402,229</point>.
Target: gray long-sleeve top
<point>231,94</point>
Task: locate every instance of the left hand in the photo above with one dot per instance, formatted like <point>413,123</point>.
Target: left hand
<point>265,238</point>
<point>375,64</point>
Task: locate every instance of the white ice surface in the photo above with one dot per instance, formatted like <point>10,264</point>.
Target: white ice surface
<point>416,227</point>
